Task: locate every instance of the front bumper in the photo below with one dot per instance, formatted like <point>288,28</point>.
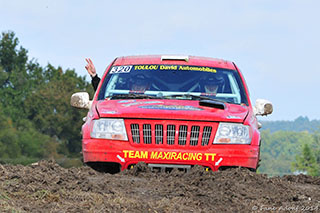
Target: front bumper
<point>213,156</point>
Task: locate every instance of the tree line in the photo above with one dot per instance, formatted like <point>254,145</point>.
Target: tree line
<point>290,147</point>
<point>298,125</point>
<point>37,121</point>
<point>288,152</point>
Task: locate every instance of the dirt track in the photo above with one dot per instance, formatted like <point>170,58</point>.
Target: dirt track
<point>47,187</point>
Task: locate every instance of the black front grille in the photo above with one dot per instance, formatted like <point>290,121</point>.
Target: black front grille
<point>189,134</point>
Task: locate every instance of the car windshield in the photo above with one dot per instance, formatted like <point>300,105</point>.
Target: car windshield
<point>173,82</point>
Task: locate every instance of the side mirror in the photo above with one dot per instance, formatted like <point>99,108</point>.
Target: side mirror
<point>263,107</point>
<point>80,100</point>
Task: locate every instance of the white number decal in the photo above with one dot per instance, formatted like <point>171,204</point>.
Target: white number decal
<point>121,69</point>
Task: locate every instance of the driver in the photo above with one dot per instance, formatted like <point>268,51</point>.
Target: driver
<point>139,84</point>
<point>211,85</point>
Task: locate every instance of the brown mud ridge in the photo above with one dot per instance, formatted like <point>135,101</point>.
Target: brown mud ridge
<point>47,187</point>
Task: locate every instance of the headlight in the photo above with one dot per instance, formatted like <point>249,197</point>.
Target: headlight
<point>230,133</point>
<point>109,129</point>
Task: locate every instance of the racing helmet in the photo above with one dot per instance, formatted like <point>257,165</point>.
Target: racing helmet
<point>213,84</point>
<point>139,82</point>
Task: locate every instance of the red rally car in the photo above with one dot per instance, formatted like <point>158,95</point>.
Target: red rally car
<point>171,112</point>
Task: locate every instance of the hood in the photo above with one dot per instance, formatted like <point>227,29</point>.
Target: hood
<point>170,109</point>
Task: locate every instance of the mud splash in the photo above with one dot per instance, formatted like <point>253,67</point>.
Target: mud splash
<point>47,187</point>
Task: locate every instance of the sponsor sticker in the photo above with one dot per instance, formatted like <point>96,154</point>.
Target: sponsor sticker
<point>233,117</point>
<point>160,155</point>
<point>174,67</point>
<point>171,107</point>
<point>126,101</point>
<point>141,102</point>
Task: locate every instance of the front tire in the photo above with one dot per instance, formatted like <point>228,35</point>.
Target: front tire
<point>105,167</point>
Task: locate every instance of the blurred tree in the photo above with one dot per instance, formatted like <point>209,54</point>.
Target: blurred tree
<point>10,57</point>
<point>300,124</point>
<point>36,117</point>
<point>9,147</point>
<point>278,150</point>
<point>316,145</point>
<point>13,76</point>
<point>307,162</point>
<point>49,107</point>
<point>3,77</point>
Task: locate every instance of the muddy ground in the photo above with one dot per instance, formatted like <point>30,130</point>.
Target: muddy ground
<point>47,187</point>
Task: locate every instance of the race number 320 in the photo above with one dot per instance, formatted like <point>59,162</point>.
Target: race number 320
<point>121,69</point>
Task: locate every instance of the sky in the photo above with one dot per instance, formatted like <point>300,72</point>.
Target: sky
<point>274,43</point>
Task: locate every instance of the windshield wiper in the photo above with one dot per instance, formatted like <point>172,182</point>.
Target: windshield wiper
<point>132,96</point>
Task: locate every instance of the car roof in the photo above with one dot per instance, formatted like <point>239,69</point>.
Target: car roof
<point>174,59</point>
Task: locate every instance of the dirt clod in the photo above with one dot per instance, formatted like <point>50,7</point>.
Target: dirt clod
<point>47,187</point>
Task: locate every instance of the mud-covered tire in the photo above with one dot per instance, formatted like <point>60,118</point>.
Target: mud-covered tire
<point>105,167</point>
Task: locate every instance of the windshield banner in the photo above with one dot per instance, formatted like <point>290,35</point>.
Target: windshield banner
<point>127,69</point>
